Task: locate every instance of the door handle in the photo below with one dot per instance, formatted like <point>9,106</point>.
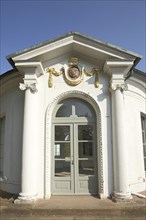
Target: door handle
<point>67,159</point>
<point>72,162</point>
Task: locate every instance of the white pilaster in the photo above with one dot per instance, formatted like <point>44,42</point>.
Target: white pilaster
<point>30,145</point>
<point>118,71</point>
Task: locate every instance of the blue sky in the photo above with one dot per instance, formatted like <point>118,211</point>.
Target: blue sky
<point>25,23</point>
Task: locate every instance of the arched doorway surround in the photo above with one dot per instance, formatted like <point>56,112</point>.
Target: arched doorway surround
<point>49,132</point>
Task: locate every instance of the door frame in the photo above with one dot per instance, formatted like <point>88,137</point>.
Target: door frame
<point>48,134</point>
<point>74,178</point>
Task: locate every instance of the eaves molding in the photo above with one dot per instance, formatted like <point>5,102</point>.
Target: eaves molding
<point>73,40</point>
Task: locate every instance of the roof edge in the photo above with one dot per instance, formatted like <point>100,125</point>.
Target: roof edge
<point>71,33</point>
<point>8,73</point>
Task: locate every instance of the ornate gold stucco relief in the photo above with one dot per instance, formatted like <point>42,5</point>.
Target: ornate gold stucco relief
<point>52,72</point>
<point>95,71</point>
<point>73,74</point>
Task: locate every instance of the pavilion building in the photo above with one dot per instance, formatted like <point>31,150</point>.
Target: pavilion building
<point>73,120</point>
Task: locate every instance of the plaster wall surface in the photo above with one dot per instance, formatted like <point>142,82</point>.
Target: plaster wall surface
<point>134,103</point>
<point>12,103</point>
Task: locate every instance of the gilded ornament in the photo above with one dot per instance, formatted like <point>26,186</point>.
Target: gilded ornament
<point>52,72</point>
<point>73,83</point>
<point>97,70</point>
<point>91,73</point>
<point>73,61</point>
<point>50,81</point>
<point>96,80</point>
<point>74,74</point>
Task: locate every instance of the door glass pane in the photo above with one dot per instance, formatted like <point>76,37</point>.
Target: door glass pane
<point>62,150</point>
<point>86,167</point>
<point>62,133</point>
<point>85,132</point>
<point>144,150</point>
<point>62,168</point>
<point>65,110</point>
<point>85,149</point>
<point>82,109</point>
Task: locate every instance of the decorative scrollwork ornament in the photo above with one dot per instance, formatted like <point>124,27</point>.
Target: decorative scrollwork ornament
<point>52,72</point>
<point>91,73</point>
<point>73,74</point>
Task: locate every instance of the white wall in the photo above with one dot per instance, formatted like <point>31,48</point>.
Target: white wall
<point>134,101</point>
<point>12,107</point>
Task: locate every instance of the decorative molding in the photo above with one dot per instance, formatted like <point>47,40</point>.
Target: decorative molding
<point>73,61</point>
<point>122,86</point>
<point>100,157</point>
<point>70,80</point>
<point>99,147</point>
<point>31,86</point>
<point>52,72</point>
<point>95,71</point>
<point>25,67</point>
<point>118,70</point>
<point>73,74</point>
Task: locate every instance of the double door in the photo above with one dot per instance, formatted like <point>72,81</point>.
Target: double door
<point>74,161</point>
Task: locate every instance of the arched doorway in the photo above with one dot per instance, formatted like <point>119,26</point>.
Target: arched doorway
<point>74,161</point>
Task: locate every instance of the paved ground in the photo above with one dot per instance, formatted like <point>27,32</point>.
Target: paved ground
<point>73,208</point>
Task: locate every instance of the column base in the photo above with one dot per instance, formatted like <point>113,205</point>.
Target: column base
<point>121,197</point>
<point>24,198</point>
<point>102,196</point>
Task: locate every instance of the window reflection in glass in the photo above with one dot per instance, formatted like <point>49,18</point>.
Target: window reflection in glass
<point>62,133</point>
<point>65,110</point>
<point>82,110</point>
<point>62,150</point>
<point>85,132</point>
<point>62,168</point>
<point>86,168</point>
<point>85,149</point>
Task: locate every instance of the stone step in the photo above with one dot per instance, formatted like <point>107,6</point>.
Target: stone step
<point>27,212</point>
<point>74,208</point>
<point>70,218</point>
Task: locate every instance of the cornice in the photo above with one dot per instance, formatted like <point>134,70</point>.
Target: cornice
<point>77,42</point>
<point>24,66</point>
<point>75,36</point>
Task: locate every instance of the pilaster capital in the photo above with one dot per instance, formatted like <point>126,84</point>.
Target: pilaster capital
<point>31,70</point>
<point>115,86</point>
<point>31,86</point>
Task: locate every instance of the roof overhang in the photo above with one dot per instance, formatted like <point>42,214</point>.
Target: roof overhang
<point>74,43</point>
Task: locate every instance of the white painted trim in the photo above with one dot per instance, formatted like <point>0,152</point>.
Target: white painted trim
<point>44,49</point>
<point>97,49</point>
<point>49,111</point>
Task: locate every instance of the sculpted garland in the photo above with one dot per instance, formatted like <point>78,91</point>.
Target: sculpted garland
<point>73,74</point>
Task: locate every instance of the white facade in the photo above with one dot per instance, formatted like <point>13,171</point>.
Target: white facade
<point>30,94</point>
